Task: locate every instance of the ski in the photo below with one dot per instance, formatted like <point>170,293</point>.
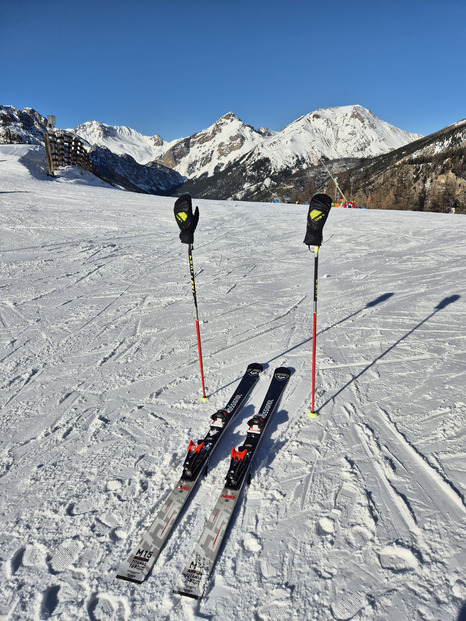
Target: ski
<point>143,556</point>
<point>202,560</point>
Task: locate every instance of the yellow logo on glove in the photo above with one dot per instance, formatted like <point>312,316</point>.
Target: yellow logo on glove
<point>182,216</point>
<point>316,215</point>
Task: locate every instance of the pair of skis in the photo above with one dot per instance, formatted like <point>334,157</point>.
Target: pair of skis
<point>199,567</point>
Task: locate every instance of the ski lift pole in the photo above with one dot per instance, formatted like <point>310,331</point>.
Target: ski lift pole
<point>196,319</point>
<point>321,160</point>
<point>187,221</point>
<point>317,216</point>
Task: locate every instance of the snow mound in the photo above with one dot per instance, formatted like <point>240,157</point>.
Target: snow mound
<point>397,558</point>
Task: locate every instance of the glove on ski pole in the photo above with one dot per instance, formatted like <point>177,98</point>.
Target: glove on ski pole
<point>186,219</point>
<point>316,218</point>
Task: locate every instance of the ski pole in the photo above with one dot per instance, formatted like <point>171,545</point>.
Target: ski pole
<point>196,319</point>
<point>317,216</point>
<point>314,331</point>
<point>187,221</point>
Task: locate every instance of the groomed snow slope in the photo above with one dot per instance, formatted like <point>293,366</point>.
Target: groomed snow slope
<point>358,514</point>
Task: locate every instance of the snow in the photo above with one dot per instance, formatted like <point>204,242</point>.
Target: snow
<point>357,514</point>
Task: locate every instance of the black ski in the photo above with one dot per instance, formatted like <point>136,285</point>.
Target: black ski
<point>202,560</point>
<point>143,556</point>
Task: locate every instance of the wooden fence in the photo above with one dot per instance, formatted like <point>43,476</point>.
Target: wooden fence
<point>63,150</point>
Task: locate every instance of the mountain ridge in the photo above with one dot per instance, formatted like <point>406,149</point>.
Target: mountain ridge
<point>229,144</point>
<point>232,160</point>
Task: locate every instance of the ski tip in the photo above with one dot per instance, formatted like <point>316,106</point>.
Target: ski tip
<point>283,373</point>
<point>313,414</point>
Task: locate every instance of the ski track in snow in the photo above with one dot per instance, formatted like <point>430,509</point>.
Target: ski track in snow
<point>357,514</point>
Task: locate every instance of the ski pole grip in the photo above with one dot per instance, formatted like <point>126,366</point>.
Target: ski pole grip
<point>316,218</point>
<point>185,218</point>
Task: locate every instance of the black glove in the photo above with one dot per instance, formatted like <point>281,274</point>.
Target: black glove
<point>316,218</point>
<point>187,221</point>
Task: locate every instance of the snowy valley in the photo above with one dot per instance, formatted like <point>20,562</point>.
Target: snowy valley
<point>357,514</point>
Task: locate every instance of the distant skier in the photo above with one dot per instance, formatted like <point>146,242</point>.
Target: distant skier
<point>453,207</point>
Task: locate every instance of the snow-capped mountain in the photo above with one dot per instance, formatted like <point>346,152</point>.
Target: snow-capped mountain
<point>21,126</point>
<point>231,159</point>
<point>209,151</point>
<point>118,165</point>
<point>248,157</point>
<point>345,133</point>
<point>331,133</point>
<point>122,140</point>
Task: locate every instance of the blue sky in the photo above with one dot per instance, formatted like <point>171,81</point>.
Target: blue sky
<point>173,67</point>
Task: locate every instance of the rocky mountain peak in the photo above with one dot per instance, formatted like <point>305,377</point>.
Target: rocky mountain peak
<point>21,126</point>
<point>226,118</point>
<point>157,141</point>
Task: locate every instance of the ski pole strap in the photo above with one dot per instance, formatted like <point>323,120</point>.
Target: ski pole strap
<point>185,218</point>
<point>316,218</point>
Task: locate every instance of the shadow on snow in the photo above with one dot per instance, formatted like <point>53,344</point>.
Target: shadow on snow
<point>440,306</point>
